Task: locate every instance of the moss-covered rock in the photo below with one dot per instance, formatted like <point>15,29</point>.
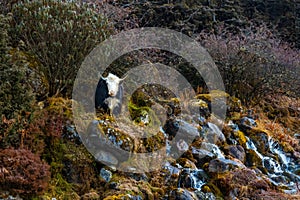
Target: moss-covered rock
<point>240,183</point>
<point>182,194</point>
<point>253,159</point>
<point>213,95</point>
<point>261,140</point>
<point>240,136</point>
<point>222,165</point>
<point>128,188</point>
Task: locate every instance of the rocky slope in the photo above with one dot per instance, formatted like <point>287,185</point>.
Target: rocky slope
<point>253,154</point>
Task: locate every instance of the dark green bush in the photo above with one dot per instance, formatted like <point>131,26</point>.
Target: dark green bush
<point>15,93</point>
<point>4,6</point>
<point>59,34</point>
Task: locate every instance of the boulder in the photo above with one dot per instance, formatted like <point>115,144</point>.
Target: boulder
<point>182,194</point>
<point>212,134</point>
<point>192,178</point>
<point>105,174</point>
<point>247,123</point>
<point>221,165</point>
<point>236,151</point>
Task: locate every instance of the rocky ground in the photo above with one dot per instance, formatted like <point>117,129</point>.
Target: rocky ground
<point>164,146</point>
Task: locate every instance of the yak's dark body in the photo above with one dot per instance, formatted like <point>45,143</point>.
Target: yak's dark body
<point>105,102</point>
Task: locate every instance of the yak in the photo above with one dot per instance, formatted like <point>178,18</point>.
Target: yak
<point>109,94</point>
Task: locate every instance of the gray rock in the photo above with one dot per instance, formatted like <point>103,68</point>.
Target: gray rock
<point>182,194</point>
<point>212,148</point>
<point>105,174</point>
<point>206,153</point>
<point>188,130</point>
<point>174,126</point>
<point>247,123</point>
<point>107,158</point>
<point>221,165</point>
<point>202,156</point>
<point>213,134</point>
<point>205,196</point>
<point>236,151</point>
<point>192,178</point>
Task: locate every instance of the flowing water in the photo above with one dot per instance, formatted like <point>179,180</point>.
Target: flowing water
<point>279,171</point>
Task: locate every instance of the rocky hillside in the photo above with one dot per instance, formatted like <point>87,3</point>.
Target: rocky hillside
<point>167,146</point>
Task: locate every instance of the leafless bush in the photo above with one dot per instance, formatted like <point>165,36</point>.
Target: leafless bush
<point>253,62</point>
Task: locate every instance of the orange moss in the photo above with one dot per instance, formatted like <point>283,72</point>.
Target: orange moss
<point>283,135</point>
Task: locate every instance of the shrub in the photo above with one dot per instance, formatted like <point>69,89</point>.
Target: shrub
<point>22,172</point>
<point>15,93</point>
<point>16,99</point>
<point>59,34</point>
<point>4,6</point>
<point>38,130</point>
<point>253,62</point>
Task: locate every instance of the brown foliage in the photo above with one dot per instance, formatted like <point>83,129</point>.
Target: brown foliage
<point>32,131</point>
<point>23,172</point>
<point>253,63</point>
<point>241,183</point>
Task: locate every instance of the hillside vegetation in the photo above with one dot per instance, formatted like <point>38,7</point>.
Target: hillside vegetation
<point>253,154</point>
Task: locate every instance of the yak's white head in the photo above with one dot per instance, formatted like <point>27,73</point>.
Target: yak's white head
<point>113,83</point>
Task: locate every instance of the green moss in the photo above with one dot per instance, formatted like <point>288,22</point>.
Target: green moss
<point>234,116</point>
<point>73,170</point>
<point>117,197</point>
<point>214,94</point>
<point>60,189</point>
<point>253,160</point>
<point>155,142</point>
<point>125,140</point>
<point>141,99</point>
<point>205,189</point>
<point>199,103</point>
<point>61,105</point>
<point>55,155</point>
<point>241,138</point>
<point>137,113</point>
<point>127,185</point>
<point>260,139</point>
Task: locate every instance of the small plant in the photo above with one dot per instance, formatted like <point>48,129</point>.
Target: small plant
<point>59,34</point>
<point>22,172</point>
